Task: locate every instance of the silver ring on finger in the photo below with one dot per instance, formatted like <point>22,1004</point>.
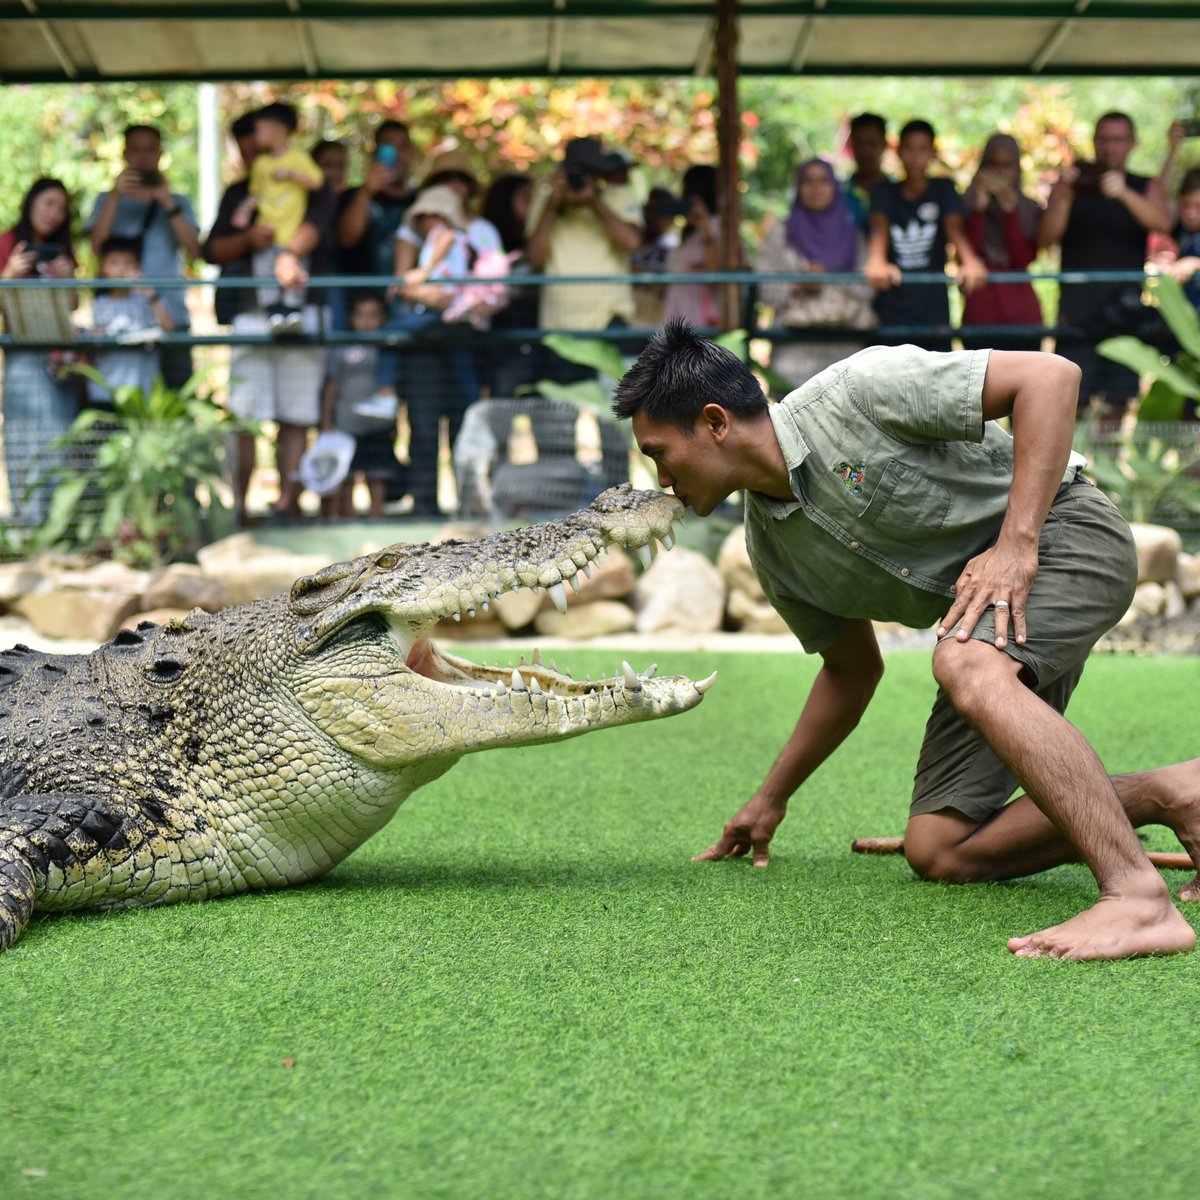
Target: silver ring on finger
<point>1000,604</point>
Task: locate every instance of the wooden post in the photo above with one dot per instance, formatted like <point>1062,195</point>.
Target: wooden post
<point>728,139</point>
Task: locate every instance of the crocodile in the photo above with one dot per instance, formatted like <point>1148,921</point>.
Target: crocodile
<point>258,746</point>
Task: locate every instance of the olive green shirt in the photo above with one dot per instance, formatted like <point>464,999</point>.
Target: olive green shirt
<point>898,482</point>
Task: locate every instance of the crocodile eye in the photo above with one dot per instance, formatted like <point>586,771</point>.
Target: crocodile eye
<point>386,562</point>
<point>164,670</point>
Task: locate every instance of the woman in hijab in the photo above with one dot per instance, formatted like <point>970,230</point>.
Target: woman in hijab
<point>819,235</point>
<point>1002,225</point>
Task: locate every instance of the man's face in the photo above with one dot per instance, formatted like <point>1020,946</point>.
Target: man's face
<point>1189,211</point>
<point>692,466</point>
<point>916,154</point>
<point>867,145</point>
<point>143,150</point>
<point>1114,143</point>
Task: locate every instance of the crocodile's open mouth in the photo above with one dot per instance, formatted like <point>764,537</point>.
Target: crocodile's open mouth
<point>535,676</point>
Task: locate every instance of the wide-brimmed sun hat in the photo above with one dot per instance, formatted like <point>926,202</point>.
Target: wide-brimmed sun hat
<point>438,201</point>
<point>324,467</point>
<point>449,163</point>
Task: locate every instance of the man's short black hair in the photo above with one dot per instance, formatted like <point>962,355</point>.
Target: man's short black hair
<point>917,126</point>
<point>1117,116</point>
<point>121,245</point>
<point>244,125</point>
<point>384,126</point>
<point>868,120</point>
<point>279,112</point>
<point>1190,181</point>
<point>679,372</point>
<point>132,129</point>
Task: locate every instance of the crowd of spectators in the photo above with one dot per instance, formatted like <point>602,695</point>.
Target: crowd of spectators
<point>457,252</point>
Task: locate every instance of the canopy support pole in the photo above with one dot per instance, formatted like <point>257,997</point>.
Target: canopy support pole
<point>728,139</point>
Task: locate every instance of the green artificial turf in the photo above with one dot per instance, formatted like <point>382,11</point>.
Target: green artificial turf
<point>524,988</point>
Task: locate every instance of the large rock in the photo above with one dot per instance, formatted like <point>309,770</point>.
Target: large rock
<point>517,609</point>
<point>184,586</point>
<point>83,614</point>
<point>583,621</point>
<point>1158,550</point>
<point>253,572</point>
<point>613,578</point>
<point>680,591</point>
<point>752,615</point>
<point>733,562</point>
<point>1187,575</point>
<point>19,579</point>
<point>1149,600</point>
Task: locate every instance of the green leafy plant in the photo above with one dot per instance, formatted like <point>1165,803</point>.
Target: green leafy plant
<point>145,481</point>
<point>1150,465</point>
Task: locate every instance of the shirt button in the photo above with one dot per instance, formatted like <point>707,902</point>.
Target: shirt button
<point>808,508</point>
<point>904,572</point>
<point>853,545</point>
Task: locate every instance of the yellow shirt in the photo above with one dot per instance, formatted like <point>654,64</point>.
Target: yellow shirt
<point>282,202</point>
<point>580,245</point>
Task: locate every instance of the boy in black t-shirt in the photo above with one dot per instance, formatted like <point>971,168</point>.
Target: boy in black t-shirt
<point>909,226</point>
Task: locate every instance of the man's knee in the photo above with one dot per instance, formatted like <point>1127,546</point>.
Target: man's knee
<point>969,672</point>
<point>933,846</point>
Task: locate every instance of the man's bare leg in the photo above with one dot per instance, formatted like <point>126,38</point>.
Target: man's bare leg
<point>290,442</point>
<point>1065,780</point>
<point>1021,840</point>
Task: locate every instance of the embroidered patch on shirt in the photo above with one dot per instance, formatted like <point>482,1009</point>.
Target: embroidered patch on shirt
<point>852,475</point>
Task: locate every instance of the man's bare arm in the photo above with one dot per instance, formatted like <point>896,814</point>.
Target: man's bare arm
<point>850,671</point>
<point>1041,394</point>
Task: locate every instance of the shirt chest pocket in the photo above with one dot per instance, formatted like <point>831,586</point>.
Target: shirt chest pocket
<point>906,506</point>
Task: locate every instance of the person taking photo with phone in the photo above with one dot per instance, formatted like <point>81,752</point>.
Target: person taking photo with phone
<point>40,402</point>
<point>141,205</point>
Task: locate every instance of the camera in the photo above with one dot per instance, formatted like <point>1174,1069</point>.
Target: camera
<point>1088,179</point>
<point>577,178</point>
<point>151,178</point>
<point>676,206</point>
<point>46,252</point>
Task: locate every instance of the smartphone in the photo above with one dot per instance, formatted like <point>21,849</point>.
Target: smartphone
<point>386,154</point>
<point>46,252</point>
<point>151,178</point>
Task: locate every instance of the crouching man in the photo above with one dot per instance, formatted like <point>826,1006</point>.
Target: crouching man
<point>883,489</point>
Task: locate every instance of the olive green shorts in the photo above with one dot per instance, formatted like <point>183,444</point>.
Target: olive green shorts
<point>1087,571</point>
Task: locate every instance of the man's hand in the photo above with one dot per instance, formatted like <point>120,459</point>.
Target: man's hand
<point>289,273</point>
<point>379,177</point>
<point>972,275</point>
<point>883,275</point>
<point>260,236</point>
<point>751,828</point>
<point>999,578</point>
<point>1113,185</point>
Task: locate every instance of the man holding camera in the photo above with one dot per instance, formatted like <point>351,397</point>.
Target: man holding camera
<point>142,206</point>
<point>1101,214</point>
<point>585,223</point>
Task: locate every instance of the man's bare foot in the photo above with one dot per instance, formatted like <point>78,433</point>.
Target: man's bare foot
<point>1116,926</point>
<point>1178,788</point>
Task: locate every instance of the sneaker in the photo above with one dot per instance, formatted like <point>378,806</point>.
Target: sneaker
<point>383,406</point>
<point>275,321</point>
<point>293,322</point>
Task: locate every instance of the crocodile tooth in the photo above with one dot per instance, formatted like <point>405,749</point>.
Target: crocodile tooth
<point>702,685</point>
<point>631,680</point>
<point>644,555</point>
<point>552,694</point>
<point>574,582</point>
<point>536,657</point>
<point>470,612</point>
<point>534,686</point>
<point>501,690</point>
<point>651,671</point>
<point>485,607</point>
<point>558,596</point>
<point>587,570</point>
<point>518,684</point>
<point>554,666</point>
<point>457,616</point>
<point>521,661</point>
<point>537,591</point>
<point>669,539</point>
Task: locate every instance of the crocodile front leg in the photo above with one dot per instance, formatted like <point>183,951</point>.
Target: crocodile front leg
<point>17,890</point>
